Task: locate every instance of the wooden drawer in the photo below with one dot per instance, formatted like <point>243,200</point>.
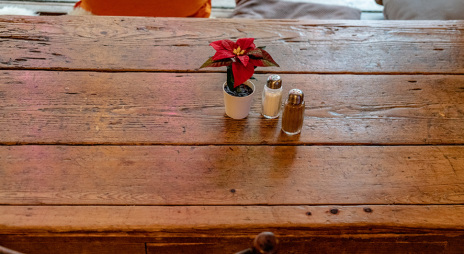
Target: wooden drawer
<point>232,244</point>
<point>73,245</point>
<point>308,245</point>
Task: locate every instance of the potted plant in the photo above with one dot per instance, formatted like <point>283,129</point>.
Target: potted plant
<point>241,59</point>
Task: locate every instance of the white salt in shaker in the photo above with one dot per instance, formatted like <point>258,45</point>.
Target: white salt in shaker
<point>272,97</point>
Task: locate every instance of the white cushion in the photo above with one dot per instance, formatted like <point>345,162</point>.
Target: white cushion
<point>423,9</point>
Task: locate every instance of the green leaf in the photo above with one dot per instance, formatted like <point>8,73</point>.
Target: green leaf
<point>211,63</point>
<point>263,56</point>
<point>207,63</point>
<point>267,57</point>
<point>267,63</point>
<point>256,53</point>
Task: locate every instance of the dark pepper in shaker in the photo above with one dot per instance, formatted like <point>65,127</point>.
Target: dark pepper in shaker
<point>293,114</point>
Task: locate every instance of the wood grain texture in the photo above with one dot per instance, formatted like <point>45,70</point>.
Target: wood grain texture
<point>163,44</point>
<point>215,242</point>
<point>112,140</point>
<point>170,221</point>
<point>221,241</point>
<point>40,107</point>
<point>194,229</point>
<point>59,244</point>
<point>231,175</point>
<point>385,245</point>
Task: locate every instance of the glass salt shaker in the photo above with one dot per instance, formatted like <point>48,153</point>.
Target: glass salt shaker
<point>272,97</point>
<point>293,114</point>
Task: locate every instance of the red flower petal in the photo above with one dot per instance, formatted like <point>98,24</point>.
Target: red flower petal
<point>244,59</point>
<point>243,66</point>
<point>246,43</point>
<point>223,45</point>
<point>229,45</point>
<point>242,73</point>
<point>256,62</point>
<point>222,54</point>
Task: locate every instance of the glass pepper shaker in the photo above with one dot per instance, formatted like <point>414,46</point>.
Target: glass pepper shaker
<point>293,114</point>
<point>272,97</point>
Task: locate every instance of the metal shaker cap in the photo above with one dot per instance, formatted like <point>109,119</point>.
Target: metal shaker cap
<point>295,97</point>
<point>274,82</point>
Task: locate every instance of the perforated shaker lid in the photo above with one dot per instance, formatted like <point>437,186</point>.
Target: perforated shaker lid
<point>274,82</point>
<point>295,97</point>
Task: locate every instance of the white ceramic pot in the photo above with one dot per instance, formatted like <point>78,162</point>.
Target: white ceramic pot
<point>238,107</point>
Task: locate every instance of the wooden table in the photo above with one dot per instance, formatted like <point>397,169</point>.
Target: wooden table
<point>113,141</point>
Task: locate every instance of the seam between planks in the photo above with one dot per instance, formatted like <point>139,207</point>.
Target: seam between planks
<point>335,205</point>
<point>227,144</point>
<point>206,71</point>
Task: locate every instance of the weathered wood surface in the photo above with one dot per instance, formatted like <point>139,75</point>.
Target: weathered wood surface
<point>335,244</point>
<point>94,159</point>
<point>64,243</point>
<point>348,243</point>
<point>194,229</point>
<point>175,221</point>
<point>231,175</point>
<point>40,107</point>
<point>217,242</point>
<point>181,45</point>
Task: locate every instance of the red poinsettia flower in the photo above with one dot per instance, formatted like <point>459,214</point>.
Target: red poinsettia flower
<point>243,55</point>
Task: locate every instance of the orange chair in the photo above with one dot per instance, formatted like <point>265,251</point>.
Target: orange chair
<point>147,8</point>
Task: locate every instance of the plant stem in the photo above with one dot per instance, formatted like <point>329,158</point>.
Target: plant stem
<point>230,78</point>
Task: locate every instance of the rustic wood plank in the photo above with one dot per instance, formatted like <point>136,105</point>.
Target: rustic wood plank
<point>347,244</point>
<point>219,244</point>
<point>231,175</point>
<point>165,221</point>
<point>39,107</point>
<point>300,229</point>
<point>71,245</point>
<point>160,44</point>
